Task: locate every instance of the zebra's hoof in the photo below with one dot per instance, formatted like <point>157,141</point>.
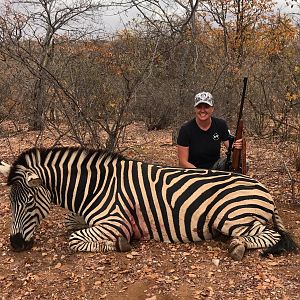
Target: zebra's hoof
<point>122,244</point>
<point>237,252</point>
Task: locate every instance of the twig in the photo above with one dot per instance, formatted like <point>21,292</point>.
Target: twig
<point>293,181</point>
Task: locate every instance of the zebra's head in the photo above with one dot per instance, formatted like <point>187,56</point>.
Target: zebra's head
<point>30,203</point>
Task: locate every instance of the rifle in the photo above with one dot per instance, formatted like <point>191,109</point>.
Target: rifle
<point>239,155</point>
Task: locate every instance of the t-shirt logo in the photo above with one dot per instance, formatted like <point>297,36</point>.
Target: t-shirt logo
<point>216,136</point>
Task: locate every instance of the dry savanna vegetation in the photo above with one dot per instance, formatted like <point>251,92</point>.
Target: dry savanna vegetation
<point>66,80</point>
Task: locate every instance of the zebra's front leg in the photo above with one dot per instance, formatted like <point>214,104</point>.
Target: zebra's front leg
<point>75,222</point>
<point>262,238</point>
<point>93,240</point>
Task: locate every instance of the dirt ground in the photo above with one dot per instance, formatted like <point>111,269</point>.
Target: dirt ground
<point>153,270</point>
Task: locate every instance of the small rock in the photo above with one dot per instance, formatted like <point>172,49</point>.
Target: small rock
<point>216,262</point>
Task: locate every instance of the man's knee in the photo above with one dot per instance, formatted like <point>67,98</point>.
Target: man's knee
<point>220,164</point>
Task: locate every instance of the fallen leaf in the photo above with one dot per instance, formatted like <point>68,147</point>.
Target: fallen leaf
<point>151,298</point>
<point>57,266</point>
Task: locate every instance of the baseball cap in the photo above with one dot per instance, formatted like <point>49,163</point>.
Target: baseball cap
<point>204,97</point>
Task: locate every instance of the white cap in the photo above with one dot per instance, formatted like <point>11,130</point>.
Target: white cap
<point>204,97</point>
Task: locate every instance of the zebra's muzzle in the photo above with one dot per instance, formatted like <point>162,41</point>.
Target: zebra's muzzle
<point>18,243</point>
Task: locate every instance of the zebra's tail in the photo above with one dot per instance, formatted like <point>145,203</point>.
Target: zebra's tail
<point>286,242</point>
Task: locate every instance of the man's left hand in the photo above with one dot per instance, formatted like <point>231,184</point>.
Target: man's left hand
<point>238,144</point>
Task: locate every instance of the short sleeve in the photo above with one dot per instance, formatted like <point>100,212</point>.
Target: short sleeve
<point>225,135</point>
<point>183,137</point>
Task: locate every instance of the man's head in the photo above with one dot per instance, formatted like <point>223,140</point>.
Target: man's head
<point>204,97</point>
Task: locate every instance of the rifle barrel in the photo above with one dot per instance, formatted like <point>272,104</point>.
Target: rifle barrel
<point>242,102</point>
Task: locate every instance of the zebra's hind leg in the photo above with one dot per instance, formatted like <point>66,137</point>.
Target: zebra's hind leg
<point>237,248</point>
<point>254,237</point>
<point>98,239</point>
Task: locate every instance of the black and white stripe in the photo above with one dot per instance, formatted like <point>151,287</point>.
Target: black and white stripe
<point>118,200</point>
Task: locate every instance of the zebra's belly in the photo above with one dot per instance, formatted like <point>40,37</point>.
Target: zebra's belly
<point>171,231</point>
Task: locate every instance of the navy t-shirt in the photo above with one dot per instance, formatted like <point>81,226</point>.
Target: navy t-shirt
<point>204,146</point>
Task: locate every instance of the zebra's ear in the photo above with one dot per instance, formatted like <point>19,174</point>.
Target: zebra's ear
<point>33,180</point>
<point>4,168</point>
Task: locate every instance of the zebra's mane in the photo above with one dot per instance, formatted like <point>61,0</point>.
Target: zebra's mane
<point>43,153</point>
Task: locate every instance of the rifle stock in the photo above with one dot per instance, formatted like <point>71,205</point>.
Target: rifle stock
<point>236,153</point>
<point>244,156</point>
<point>239,155</point>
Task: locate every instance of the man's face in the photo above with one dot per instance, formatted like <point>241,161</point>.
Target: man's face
<point>203,111</point>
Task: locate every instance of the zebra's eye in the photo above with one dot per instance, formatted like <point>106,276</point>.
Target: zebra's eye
<point>29,199</point>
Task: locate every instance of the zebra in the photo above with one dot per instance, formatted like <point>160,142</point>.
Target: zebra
<point>114,200</point>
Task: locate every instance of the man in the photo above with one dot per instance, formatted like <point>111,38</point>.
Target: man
<point>199,140</point>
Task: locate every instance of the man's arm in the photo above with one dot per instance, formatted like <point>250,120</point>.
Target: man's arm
<point>183,156</point>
